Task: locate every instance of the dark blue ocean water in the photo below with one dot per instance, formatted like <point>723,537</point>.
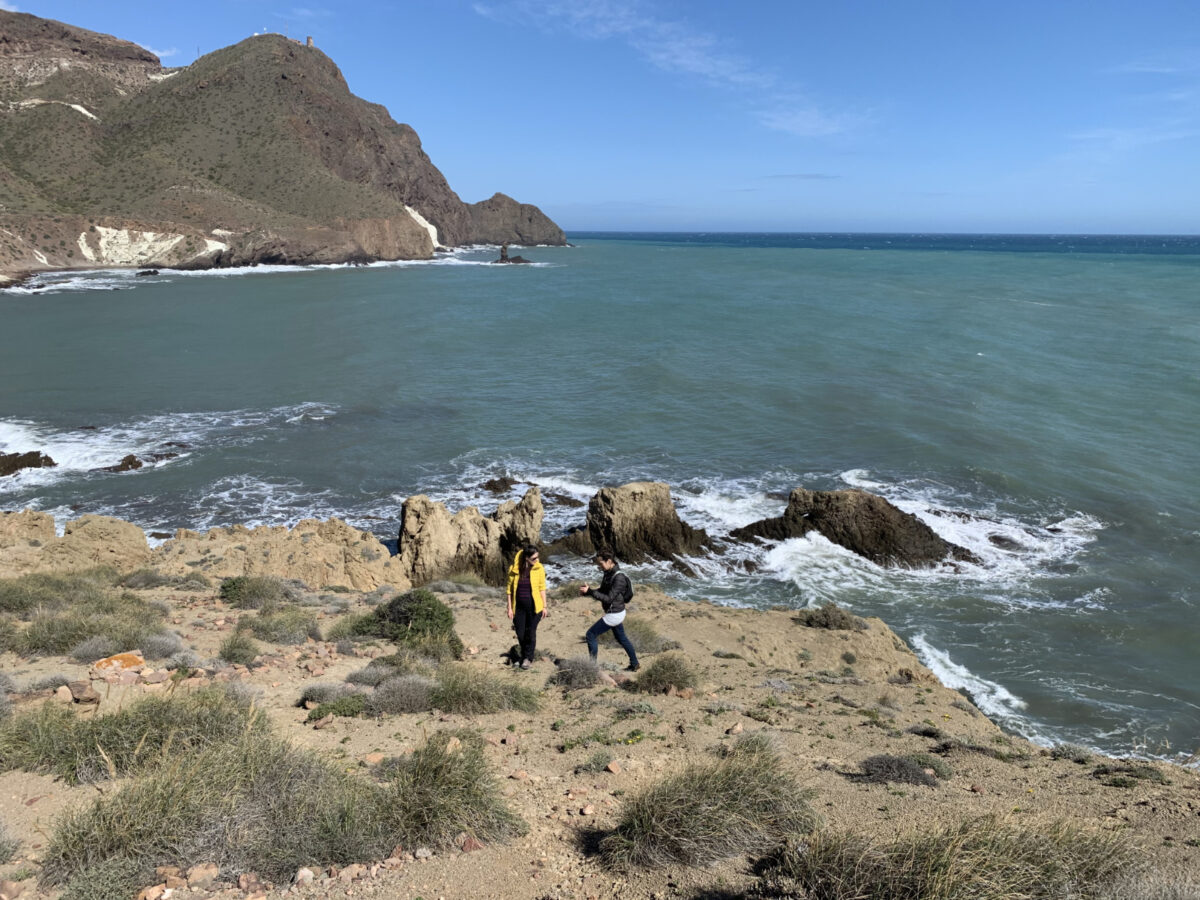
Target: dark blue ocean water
<point>1034,398</point>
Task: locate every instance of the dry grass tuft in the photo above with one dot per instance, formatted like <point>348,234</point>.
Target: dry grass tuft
<point>982,859</point>
<point>669,670</point>
<point>829,616</point>
<point>263,592</point>
<point>575,673</point>
<point>470,689</point>
<point>401,694</point>
<point>743,803</point>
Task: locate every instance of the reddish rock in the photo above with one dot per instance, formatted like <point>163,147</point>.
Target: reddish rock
<point>119,663</point>
<point>203,875</point>
<point>83,692</point>
<point>614,767</point>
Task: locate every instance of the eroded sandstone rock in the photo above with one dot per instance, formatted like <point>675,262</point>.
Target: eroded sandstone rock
<point>434,544</point>
<point>638,521</point>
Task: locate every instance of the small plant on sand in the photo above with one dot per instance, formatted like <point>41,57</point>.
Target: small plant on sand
<point>238,649</point>
<point>354,627</point>
<point>744,803</point>
<point>669,670</point>
<point>401,694</point>
<point>829,616</point>
<point>324,692</point>
<point>1076,754</point>
<point>885,768</point>
<point>253,592</point>
<point>984,859</point>
<point>348,706</point>
<point>8,845</point>
<point>597,762</point>
<point>575,673</point>
<point>283,625</point>
<point>372,675</point>
<point>144,579</point>
<point>471,689</point>
<point>421,622</point>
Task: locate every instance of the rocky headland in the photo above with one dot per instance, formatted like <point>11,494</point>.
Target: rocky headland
<point>851,712</point>
<point>255,153</point>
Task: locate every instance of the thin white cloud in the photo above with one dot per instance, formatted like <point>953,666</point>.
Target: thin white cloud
<point>8,7</point>
<point>161,54</point>
<point>677,47</point>
<point>804,176</point>
<point>1123,140</point>
<point>309,12</point>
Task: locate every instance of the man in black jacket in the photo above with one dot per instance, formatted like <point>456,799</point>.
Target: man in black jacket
<point>614,592</point>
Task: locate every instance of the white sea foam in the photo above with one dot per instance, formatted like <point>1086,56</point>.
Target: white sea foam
<point>82,450</point>
<point>995,700</point>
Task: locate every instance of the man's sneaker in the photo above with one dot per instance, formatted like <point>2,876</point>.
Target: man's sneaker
<point>525,664</point>
<point>633,668</point>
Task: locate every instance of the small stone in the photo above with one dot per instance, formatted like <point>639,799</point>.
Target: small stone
<point>519,775</point>
<point>687,693</point>
<point>10,890</point>
<point>589,810</point>
<point>736,729</point>
<point>672,691</point>
<point>614,767</point>
<point>423,853</point>
<point>323,723</point>
<point>311,704</point>
<point>373,759</point>
<point>249,882</point>
<point>152,893</point>
<point>976,789</point>
<point>471,844</point>
<point>304,876</point>
<point>83,692</point>
<point>63,694</point>
<point>175,883</point>
<point>393,862</point>
<point>202,876</point>
<point>453,745</point>
<point>352,872</point>
<point>165,872</point>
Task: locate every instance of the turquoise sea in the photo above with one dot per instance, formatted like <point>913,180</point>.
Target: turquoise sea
<point>1036,399</point>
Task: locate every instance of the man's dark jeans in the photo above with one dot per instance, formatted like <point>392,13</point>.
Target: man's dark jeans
<point>618,631</point>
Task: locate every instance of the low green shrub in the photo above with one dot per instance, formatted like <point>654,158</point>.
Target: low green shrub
<point>830,616</point>
<point>238,649</point>
<point>144,579</point>
<point>283,625</point>
<point>471,689</point>
<point>1128,774</point>
<point>349,706</point>
<point>983,859</point>
<point>372,675</point>
<point>421,622</point>
<point>354,627</point>
<point>1075,753</point>
<point>52,739</point>
<point>744,803</point>
<point>597,762</point>
<point>253,592</point>
<point>110,879</point>
<point>161,645</point>
<point>323,692</point>
<point>669,670</point>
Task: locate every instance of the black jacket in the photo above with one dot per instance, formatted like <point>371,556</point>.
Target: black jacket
<point>614,588</point>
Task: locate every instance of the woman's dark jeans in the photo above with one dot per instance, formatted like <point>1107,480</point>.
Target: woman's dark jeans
<point>618,631</point>
<point>525,623</point>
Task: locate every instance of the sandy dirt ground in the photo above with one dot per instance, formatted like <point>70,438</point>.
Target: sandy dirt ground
<point>830,699</point>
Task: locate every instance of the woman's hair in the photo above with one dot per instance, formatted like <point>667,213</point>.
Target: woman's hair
<point>526,564</point>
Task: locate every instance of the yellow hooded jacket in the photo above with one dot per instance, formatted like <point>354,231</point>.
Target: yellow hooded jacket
<point>537,581</point>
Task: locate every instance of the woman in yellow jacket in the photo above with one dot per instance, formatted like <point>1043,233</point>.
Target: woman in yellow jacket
<point>527,600</point>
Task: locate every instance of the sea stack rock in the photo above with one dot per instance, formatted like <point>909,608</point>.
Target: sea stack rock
<point>434,544</point>
<point>862,522</point>
<point>638,521</point>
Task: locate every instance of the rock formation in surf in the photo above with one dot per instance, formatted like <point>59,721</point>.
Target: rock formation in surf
<point>862,522</point>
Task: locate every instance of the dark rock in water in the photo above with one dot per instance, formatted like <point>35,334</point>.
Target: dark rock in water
<point>576,542</point>
<point>501,485</point>
<point>161,535</point>
<point>11,463</point>
<point>142,273</point>
<point>159,456</point>
<point>561,499</point>
<point>127,464</point>
<point>638,521</point>
<point>1004,543</point>
<point>505,258</point>
<point>89,427</point>
<point>862,522</point>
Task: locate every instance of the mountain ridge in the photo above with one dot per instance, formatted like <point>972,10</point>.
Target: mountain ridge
<point>257,152</point>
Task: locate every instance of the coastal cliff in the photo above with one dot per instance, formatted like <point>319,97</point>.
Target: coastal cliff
<point>255,153</point>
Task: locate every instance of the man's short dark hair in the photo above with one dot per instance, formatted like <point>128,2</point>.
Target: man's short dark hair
<point>606,555</point>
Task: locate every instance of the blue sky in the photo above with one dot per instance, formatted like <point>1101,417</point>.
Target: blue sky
<point>890,115</point>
